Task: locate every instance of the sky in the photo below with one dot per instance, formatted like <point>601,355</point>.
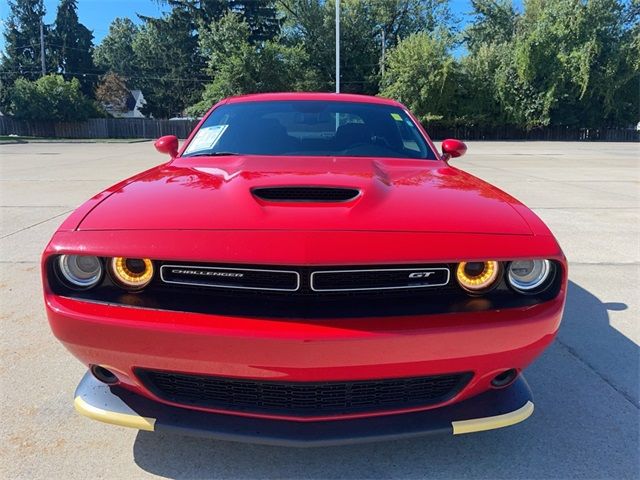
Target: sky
<point>97,15</point>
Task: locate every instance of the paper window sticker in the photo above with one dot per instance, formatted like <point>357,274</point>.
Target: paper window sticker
<point>206,138</point>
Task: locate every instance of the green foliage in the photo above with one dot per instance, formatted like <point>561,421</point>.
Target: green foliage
<point>238,66</point>
<point>50,98</point>
<point>312,29</point>
<point>168,64</point>
<point>420,73</point>
<point>260,15</point>
<point>359,36</point>
<point>115,52</point>
<point>71,46</point>
<point>401,18</point>
<point>21,57</point>
<point>558,62</point>
<point>569,62</point>
<point>476,102</point>
<point>310,24</point>
<point>494,24</point>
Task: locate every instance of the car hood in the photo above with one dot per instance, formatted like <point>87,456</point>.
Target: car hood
<point>206,193</point>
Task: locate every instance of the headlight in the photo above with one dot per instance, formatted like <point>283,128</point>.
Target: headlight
<point>80,271</point>
<point>131,273</point>
<point>527,276</point>
<point>478,277</point>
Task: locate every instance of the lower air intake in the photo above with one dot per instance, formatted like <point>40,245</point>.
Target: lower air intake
<point>302,399</point>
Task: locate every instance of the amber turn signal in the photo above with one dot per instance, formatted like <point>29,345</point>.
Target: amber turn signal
<point>131,273</point>
<point>478,277</point>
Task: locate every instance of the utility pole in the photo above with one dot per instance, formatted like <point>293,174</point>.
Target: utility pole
<point>337,46</point>
<point>383,48</point>
<point>42,62</point>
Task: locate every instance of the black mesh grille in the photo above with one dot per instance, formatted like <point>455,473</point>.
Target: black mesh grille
<point>372,279</point>
<point>234,278</point>
<point>302,399</point>
<point>306,194</point>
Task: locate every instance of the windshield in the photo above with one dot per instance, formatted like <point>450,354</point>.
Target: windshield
<point>309,128</point>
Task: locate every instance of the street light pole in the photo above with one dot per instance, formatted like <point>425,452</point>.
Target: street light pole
<point>337,46</point>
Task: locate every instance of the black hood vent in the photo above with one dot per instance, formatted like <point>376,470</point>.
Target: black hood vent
<point>306,194</point>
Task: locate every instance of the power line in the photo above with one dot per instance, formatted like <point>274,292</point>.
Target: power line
<point>137,77</point>
<point>327,83</point>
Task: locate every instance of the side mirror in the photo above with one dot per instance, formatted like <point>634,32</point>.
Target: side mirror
<point>452,148</point>
<point>167,144</point>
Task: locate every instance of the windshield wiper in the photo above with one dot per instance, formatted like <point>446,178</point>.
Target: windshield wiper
<point>212,154</point>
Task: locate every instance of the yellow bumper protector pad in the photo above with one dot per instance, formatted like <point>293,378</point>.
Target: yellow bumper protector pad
<point>489,423</point>
<point>115,418</point>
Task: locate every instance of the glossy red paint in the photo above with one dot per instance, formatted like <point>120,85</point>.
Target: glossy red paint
<point>486,343</point>
<point>167,144</point>
<point>202,209</point>
<point>397,195</point>
<point>453,148</point>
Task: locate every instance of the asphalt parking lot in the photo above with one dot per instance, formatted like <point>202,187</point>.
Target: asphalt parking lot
<point>586,391</point>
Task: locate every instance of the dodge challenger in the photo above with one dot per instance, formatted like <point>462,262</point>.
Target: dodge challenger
<point>306,269</point>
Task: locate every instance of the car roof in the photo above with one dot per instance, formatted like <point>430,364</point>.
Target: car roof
<point>318,96</point>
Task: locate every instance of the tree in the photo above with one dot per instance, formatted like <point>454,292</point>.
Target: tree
<point>238,66</point>
<point>476,101</point>
<point>22,40</point>
<point>488,38</point>
<point>401,18</point>
<point>115,52</point>
<point>308,25</point>
<point>50,98</point>
<point>261,15</point>
<point>21,56</point>
<point>168,64</point>
<point>311,25</point>
<point>112,92</point>
<point>494,23</point>
<point>72,46</point>
<point>566,62</point>
<point>420,73</point>
<point>571,63</point>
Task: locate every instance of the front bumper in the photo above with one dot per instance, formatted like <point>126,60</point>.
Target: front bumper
<point>490,410</point>
<point>123,339</point>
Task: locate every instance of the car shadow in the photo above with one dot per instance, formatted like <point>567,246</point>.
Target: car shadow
<point>585,425</point>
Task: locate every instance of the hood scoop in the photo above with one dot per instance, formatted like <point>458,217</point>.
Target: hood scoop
<point>305,194</point>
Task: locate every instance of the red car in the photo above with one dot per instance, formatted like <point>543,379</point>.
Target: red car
<point>307,269</point>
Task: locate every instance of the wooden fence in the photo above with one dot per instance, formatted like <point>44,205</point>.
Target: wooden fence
<point>98,128</point>
<point>151,128</point>
<point>554,133</point>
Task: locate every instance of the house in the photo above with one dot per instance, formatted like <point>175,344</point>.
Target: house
<point>135,102</point>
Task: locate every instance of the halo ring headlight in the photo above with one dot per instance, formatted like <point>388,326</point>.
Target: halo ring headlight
<point>478,277</point>
<point>528,276</point>
<point>80,272</point>
<point>131,273</point>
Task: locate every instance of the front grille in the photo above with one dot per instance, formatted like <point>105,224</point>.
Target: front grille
<point>234,278</point>
<point>378,279</point>
<point>302,399</point>
<point>370,291</point>
<point>306,280</point>
<point>305,194</point>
